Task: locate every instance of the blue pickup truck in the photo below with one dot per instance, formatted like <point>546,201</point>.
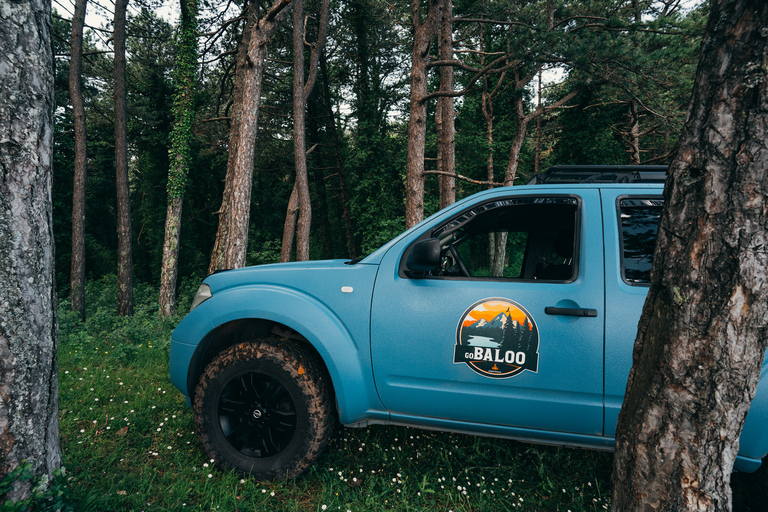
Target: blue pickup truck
<point>511,313</point>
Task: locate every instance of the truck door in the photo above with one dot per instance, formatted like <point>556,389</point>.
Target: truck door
<point>631,220</point>
<point>508,331</point>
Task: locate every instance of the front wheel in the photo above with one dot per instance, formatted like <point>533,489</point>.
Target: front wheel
<point>264,409</point>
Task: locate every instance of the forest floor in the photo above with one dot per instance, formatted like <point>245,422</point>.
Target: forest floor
<point>129,444</point>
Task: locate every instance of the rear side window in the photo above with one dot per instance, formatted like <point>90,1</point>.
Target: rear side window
<point>639,222</point>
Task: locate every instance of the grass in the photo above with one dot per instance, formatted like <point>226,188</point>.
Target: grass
<point>129,444</point>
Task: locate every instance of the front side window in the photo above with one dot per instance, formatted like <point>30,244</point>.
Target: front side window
<point>639,224</point>
<point>530,238</point>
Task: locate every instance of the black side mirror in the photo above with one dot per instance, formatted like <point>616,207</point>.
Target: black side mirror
<point>424,256</point>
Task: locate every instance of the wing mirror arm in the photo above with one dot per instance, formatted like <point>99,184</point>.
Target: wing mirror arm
<point>424,257</point>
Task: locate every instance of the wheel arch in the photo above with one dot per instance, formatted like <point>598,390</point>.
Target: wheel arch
<point>317,328</point>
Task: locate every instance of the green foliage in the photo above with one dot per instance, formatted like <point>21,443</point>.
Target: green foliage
<point>53,495</point>
<point>179,119</point>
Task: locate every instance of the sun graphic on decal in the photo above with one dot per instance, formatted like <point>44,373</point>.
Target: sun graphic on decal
<point>497,338</point>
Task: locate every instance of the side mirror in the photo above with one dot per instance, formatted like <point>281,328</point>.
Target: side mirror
<point>424,256</point>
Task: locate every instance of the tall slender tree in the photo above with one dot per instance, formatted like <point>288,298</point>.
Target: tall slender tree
<point>29,428</point>
<point>445,113</point>
<point>232,235</point>
<point>181,141</point>
<point>703,332</point>
<point>124,234</point>
<point>424,32</point>
<point>300,198</point>
<point>77,274</point>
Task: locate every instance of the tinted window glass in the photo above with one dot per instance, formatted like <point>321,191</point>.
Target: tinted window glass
<point>639,223</point>
<point>516,238</point>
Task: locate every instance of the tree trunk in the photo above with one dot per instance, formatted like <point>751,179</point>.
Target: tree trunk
<point>702,335</point>
<point>301,93</point>
<point>304,222</point>
<point>521,127</point>
<point>29,429</point>
<point>124,257</point>
<point>241,68</point>
<point>181,139</point>
<point>289,228</point>
<point>77,274</point>
<point>634,133</point>
<point>446,134</point>
<point>232,236</point>
<point>423,34</point>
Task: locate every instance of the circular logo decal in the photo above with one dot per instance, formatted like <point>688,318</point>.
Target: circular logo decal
<point>497,338</point>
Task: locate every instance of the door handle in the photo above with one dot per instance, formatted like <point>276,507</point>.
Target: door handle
<point>571,311</point>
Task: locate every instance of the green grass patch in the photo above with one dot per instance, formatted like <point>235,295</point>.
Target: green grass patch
<point>129,444</point>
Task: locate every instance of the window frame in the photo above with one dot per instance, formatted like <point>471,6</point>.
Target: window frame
<point>620,227</point>
<point>445,226</point>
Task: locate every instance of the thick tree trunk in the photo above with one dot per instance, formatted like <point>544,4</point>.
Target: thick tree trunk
<point>232,235</point>
<point>124,237</point>
<point>181,139</point>
<point>77,273</point>
<point>446,134</point>
<point>241,68</point>
<point>423,34</point>
<point>702,335</point>
<point>29,428</point>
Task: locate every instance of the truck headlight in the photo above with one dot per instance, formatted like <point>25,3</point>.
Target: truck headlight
<point>203,294</point>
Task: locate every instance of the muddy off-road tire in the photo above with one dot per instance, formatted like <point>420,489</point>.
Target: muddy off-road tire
<point>264,409</point>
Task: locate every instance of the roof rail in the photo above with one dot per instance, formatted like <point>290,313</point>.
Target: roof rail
<point>601,174</point>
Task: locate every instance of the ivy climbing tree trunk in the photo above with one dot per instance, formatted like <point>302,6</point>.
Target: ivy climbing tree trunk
<point>29,429</point>
<point>124,236</point>
<point>77,273</point>
<point>181,139</point>
<point>704,328</point>
<point>232,235</point>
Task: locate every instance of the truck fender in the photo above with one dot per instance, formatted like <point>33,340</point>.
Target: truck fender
<point>342,355</point>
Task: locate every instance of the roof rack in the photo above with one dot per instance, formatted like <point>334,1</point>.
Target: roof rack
<point>601,174</point>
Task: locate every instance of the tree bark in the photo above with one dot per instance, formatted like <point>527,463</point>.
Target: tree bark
<point>29,429</point>
<point>77,273</point>
<point>289,228</point>
<point>301,91</point>
<point>702,335</point>
<point>423,34</point>
<point>124,236</point>
<point>299,135</point>
<point>232,235</point>
<point>181,140</point>
<point>446,134</point>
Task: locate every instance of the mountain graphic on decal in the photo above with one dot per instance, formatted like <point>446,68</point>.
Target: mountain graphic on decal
<point>507,334</point>
<point>499,322</point>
